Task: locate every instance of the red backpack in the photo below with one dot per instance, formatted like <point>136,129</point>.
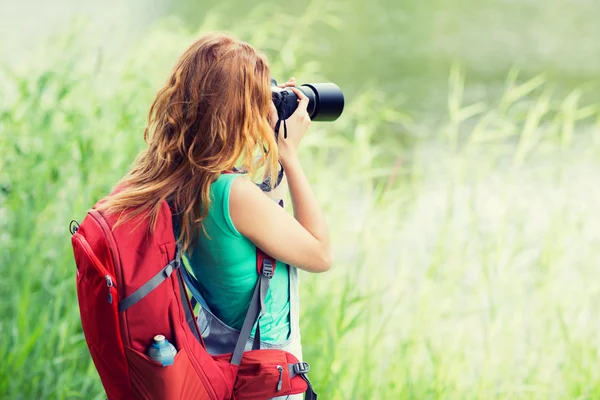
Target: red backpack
<point>130,288</point>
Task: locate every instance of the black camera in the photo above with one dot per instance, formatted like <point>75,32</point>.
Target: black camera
<point>325,103</point>
<point>325,100</point>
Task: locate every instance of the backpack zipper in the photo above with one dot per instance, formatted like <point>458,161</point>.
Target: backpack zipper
<point>109,284</point>
<point>97,264</point>
<point>280,383</point>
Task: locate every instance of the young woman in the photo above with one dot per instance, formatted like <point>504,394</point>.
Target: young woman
<point>214,115</point>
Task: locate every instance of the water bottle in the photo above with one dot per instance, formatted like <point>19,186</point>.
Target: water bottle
<point>162,351</point>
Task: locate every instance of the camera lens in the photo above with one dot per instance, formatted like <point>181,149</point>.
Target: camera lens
<point>326,101</point>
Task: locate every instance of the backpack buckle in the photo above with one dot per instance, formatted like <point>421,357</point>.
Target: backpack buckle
<point>267,268</point>
<point>301,368</point>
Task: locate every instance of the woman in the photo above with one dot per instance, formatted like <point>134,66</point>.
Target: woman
<point>215,115</point>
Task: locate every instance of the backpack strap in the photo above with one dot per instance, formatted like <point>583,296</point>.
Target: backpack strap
<point>156,280</point>
<point>301,369</point>
<point>190,318</point>
<point>266,269</point>
<point>152,284</point>
<point>192,285</point>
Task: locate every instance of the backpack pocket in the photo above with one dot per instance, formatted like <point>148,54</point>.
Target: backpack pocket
<point>264,374</point>
<point>97,295</point>
<point>91,269</point>
<point>150,380</point>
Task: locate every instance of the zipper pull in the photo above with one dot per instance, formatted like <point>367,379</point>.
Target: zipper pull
<point>109,284</point>
<point>280,383</point>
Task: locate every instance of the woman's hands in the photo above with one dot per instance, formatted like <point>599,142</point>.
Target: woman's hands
<point>273,117</point>
<point>297,125</point>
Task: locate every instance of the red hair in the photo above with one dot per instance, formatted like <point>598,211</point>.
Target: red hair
<point>211,116</point>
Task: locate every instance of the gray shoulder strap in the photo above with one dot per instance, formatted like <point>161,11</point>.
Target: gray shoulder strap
<point>255,309</point>
<point>152,284</point>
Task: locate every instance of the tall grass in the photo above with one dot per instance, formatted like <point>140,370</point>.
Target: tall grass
<point>472,276</point>
<point>466,255</point>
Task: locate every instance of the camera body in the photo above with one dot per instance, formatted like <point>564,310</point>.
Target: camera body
<point>325,103</point>
<point>325,100</point>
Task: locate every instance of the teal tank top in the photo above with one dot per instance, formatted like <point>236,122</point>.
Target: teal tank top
<point>224,263</point>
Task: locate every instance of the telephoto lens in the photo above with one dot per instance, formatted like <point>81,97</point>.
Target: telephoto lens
<point>325,100</point>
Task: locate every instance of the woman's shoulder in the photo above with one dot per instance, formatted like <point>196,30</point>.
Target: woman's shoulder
<point>222,185</point>
<point>220,193</point>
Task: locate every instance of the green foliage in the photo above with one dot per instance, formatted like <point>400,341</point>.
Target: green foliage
<point>465,254</point>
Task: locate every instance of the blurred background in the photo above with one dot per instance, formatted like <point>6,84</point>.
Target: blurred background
<point>460,184</point>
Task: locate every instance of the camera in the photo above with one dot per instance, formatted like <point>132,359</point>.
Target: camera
<point>325,103</point>
<point>325,100</point>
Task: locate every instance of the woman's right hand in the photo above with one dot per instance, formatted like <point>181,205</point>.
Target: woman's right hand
<point>297,125</point>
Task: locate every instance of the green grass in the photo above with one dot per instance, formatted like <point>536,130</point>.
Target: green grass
<point>466,254</point>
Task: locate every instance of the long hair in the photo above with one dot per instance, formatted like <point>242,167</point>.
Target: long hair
<point>210,117</point>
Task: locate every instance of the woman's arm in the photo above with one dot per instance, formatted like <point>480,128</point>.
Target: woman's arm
<point>303,241</point>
